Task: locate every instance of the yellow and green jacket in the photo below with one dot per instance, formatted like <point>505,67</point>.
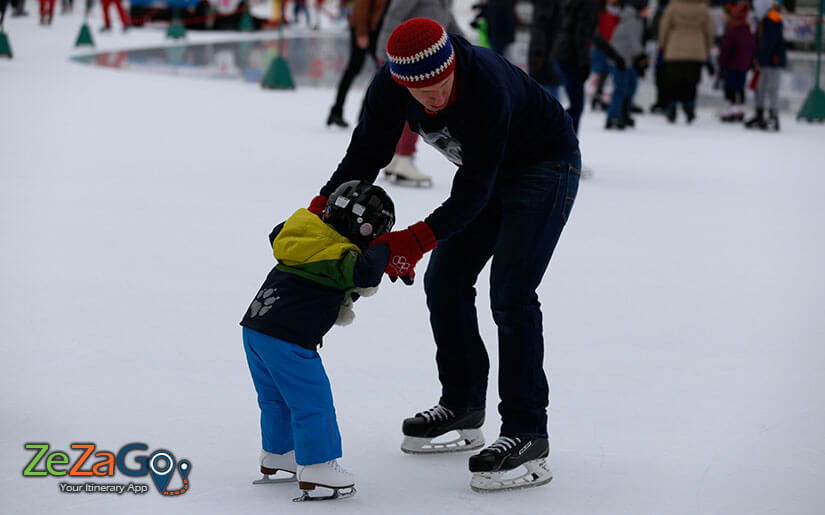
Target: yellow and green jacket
<point>300,298</point>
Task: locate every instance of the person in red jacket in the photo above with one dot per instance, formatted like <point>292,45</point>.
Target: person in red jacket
<point>124,18</point>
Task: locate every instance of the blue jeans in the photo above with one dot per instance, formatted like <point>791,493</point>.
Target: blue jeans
<point>519,229</point>
<point>624,88</point>
<point>573,81</point>
<point>599,64</point>
<point>295,399</point>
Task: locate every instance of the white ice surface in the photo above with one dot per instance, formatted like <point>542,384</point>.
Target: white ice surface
<point>683,308</point>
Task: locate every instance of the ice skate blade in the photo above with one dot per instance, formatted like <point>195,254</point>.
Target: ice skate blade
<point>468,440</point>
<point>267,480</point>
<point>538,473</point>
<point>408,182</point>
<point>336,493</point>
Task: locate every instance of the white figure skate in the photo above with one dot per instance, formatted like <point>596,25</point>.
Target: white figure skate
<point>327,475</point>
<point>403,172</point>
<point>272,463</point>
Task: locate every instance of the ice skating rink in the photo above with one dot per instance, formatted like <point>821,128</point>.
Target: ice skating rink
<point>683,308</point>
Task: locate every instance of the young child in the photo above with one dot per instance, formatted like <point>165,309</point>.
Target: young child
<point>769,61</point>
<point>323,264</point>
<point>735,58</point>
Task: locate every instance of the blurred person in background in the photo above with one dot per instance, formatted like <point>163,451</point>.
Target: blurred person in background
<point>770,59</point>
<point>571,51</point>
<point>543,31</point>
<point>627,40</point>
<point>402,168</point>
<point>735,59</point>
<point>685,38</point>
<point>364,22</point>
<point>608,19</point>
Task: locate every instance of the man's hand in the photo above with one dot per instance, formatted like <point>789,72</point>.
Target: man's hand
<point>318,205</point>
<point>362,41</point>
<point>406,249</point>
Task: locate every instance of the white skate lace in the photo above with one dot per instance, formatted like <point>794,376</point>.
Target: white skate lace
<point>504,444</point>
<point>336,467</point>
<point>438,413</point>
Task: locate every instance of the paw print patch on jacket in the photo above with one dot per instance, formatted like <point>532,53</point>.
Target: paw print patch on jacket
<point>263,302</point>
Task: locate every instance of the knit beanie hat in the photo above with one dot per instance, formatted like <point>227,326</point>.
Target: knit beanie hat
<point>420,53</point>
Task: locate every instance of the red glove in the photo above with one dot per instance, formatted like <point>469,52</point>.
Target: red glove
<point>406,249</point>
<point>318,205</point>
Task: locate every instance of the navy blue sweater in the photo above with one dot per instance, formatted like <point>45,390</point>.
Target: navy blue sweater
<point>501,120</point>
<point>301,311</point>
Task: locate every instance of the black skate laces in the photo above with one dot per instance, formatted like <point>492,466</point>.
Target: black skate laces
<point>504,444</point>
<point>437,413</point>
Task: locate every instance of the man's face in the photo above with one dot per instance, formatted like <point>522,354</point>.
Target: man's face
<point>434,97</point>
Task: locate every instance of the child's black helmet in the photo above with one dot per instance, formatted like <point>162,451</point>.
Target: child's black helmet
<point>360,211</point>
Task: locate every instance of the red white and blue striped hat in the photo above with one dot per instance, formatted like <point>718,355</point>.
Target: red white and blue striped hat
<point>420,53</point>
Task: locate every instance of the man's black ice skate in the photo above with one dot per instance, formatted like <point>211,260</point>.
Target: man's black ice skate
<point>492,468</point>
<point>420,431</point>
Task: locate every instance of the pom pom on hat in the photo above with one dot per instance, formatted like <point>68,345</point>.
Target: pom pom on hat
<point>420,53</point>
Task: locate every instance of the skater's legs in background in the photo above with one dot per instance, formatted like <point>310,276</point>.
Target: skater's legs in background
<point>602,69</point>
<point>124,18</point>
<point>449,283</point>
<point>276,428</point>
<point>299,376</point>
<point>621,93</point>
<point>407,142</point>
<point>536,203</point>
<point>769,80</point>
<point>574,87</point>
<point>354,65</point>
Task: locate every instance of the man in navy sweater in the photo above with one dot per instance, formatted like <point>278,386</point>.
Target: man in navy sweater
<point>518,172</point>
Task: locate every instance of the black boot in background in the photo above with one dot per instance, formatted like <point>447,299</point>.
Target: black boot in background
<point>670,112</point>
<point>690,111</point>
<point>335,117</point>
<point>772,123</point>
<point>758,121</point>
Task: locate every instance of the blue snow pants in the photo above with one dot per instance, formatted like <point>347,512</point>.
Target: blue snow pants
<point>295,399</point>
<point>518,229</point>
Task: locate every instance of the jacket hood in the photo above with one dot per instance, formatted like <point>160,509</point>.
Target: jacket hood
<point>306,239</point>
<point>739,14</point>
